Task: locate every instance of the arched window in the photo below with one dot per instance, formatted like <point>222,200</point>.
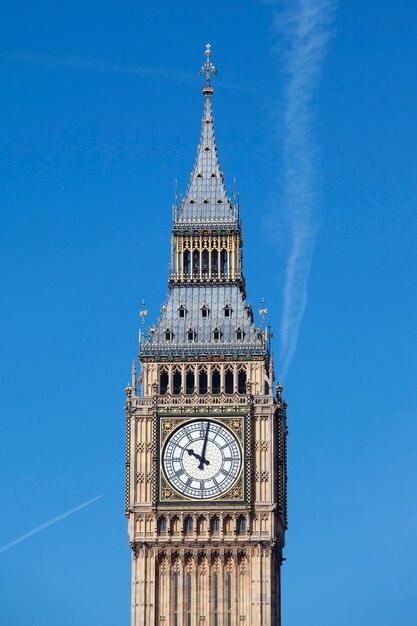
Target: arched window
<point>215,381</point>
<point>188,524</point>
<point>196,262</point>
<point>241,524</point>
<point>205,262</point>
<point>187,266</point>
<point>189,382</point>
<point>241,381</point>
<point>228,380</point>
<point>214,263</point>
<point>191,334</point>
<point>223,263</point>
<point>162,524</point>
<point>239,334</point>
<point>215,524</point>
<point>217,334</point>
<point>168,335</point>
<point>227,311</point>
<point>176,382</point>
<point>163,382</point>
<point>202,381</point>
<point>182,311</point>
<point>205,311</point>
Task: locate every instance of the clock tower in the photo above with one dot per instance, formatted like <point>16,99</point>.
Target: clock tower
<point>205,428</point>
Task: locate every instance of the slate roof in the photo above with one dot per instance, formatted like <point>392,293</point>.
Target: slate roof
<point>206,202</point>
<point>216,298</point>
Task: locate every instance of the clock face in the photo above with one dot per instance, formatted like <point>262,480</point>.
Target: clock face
<point>202,459</point>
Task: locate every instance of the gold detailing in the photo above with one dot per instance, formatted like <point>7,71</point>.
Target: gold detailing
<point>236,493</point>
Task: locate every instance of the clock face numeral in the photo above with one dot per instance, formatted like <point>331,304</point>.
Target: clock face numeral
<point>202,459</point>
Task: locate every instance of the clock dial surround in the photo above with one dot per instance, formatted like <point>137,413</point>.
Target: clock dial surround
<point>202,459</point>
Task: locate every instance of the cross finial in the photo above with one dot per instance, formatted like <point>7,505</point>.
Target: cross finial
<point>207,69</point>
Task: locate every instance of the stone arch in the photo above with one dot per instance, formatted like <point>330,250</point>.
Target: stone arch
<point>201,525</point>
<point>228,525</point>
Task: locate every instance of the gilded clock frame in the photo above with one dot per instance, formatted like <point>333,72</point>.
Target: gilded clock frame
<point>239,424</point>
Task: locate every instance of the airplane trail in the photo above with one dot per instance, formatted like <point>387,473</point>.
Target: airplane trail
<point>45,525</point>
<point>305,27</point>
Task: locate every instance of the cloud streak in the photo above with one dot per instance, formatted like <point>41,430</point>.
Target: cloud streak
<point>305,26</point>
<point>51,522</point>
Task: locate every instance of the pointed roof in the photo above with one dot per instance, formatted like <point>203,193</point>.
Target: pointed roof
<point>206,202</point>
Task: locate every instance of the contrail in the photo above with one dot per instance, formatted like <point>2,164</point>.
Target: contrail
<point>49,523</point>
<point>92,64</point>
<point>306,26</point>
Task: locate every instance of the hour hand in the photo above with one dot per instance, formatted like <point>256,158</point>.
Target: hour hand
<point>202,460</point>
<point>192,453</point>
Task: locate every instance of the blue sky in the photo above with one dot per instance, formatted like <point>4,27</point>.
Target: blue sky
<point>101,110</point>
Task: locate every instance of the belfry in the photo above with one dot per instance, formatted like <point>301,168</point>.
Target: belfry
<point>205,428</point>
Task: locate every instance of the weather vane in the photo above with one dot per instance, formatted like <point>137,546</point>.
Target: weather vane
<point>207,69</point>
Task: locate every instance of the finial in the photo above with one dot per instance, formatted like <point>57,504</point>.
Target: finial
<point>207,69</point>
<point>143,313</point>
<point>263,311</point>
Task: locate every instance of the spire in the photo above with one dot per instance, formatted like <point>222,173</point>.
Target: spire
<point>206,202</point>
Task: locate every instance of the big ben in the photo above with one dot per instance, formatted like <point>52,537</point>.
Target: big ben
<point>206,427</point>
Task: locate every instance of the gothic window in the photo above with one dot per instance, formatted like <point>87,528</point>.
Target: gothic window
<point>205,262</point>
<point>188,524</point>
<point>175,526</point>
<point>241,381</point>
<point>177,382</point>
<point>228,525</point>
<point>196,262</point>
<point>168,335</point>
<point>216,334</point>
<point>189,381</point>
<point>205,311</point>
<point>162,524</point>
<point>201,525</point>
<point>239,334</point>
<point>227,311</point>
<point>215,524</point>
<point>228,380</point>
<point>202,381</point>
<point>215,381</point>
<point>188,599</point>
<point>191,334</point>
<point>223,262</point>
<point>216,599</point>
<point>163,382</point>
<point>182,311</point>
<point>241,524</point>
<point>186,259</point>
<point>214,263</point>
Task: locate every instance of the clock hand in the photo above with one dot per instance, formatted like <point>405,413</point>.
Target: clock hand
<point>197,456</point>
<point>192,453</point>
<point>203,459</point>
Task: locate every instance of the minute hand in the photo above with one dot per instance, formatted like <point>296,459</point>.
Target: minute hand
<point>203,460</point>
